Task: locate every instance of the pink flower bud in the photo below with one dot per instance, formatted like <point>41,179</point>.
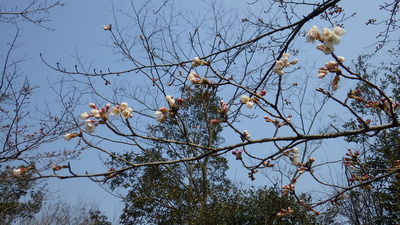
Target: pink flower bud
<point>215,122</point>
<point>92,105</point>
<point>180,101</point>
<point>163,110</point>
<point>262,92</point>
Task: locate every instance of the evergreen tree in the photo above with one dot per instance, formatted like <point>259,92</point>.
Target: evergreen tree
<point>196,192</point>
<point>378,154</point>
<point>20,198</point>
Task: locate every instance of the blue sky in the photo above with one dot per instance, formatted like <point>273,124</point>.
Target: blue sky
<point>77,30</point>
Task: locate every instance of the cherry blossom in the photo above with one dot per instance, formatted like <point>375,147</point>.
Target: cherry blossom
<point>95,113</point>
<point>84,115</point>
<point>159,115</point>
<point>67,136</point>
<point>197,62</point>
<point>90,127</point>
<point>246,134</point>
<point>127,113</point>
<point>115,110</point>
<point>244,99</point>
<point>328,37</point>
<point>193,77</point>
<point>283,62</point>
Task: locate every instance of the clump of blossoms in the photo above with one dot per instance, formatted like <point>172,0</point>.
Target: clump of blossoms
<point>384,105</point>
<point>303,167</point>
<point>287,189</point>
<point>246,135</point>
<point>247,100</point>
<point>196,79</point>
<point>351,158</point>
<point>121,110</point>
<point>58,167</point>
<point>328,37</point>
<point>332,67</point>
<point>283,62</point>
<point>238,153</point>
<point>162,113</point>
<point>98,116</point>
<point>294,156</point>
<point>223,112</point>
<point>355,94</point>
<point>250,101</point>
<point>18,172</point>
<point>69,136</point>
<point>284,212</point>
<point>277,123</point>
<point>198,62</point>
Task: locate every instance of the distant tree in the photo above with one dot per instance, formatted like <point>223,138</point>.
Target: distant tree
<point>32,11</point>
<point>265,206</point>
<point>179,193</point>
<point>20,199</point>
<point>376,154</point>
<point>195,192</point>
<point>60,212</point>
<point>24,129</point>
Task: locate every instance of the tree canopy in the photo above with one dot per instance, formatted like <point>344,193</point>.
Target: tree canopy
<point>267,85</point>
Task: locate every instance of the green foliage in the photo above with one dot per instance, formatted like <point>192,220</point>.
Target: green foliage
<point>60,212</point>
<point>196,192</point>
<point>379,151</point>
<point>177,193</point>
<point>261,206</point>
<point>19,198</point>
<point>97,218</point>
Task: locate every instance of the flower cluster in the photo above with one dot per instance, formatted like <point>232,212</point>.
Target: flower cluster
<point>58,167</point>
<point>96,112</point>
<point>355,177</point>
<point>303,167</point>
<point>247,100</point>
<point>332,67</point>
<point>121,110</point>
<point>287,189</point>
<point>328,37</point>
<point>238,153</point>
<point>294,156</point>
<point>268,164</point>
<point>198,62</point>
<point>21,170</point>
<point>355,94</point>
<point>107,27</point>
<point>245,135</point>
<point>223,112</point>
<point>98,116</point>
<point>352,158</point>
<point>251,174</point>
<point>384,105</point>
<point>282,63</point>
<point>162,113</point>
<point>276,122</point>
<point>250,101</point>
<point>196,79</point>
<point>69,136</point>
<point>285,212</point>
